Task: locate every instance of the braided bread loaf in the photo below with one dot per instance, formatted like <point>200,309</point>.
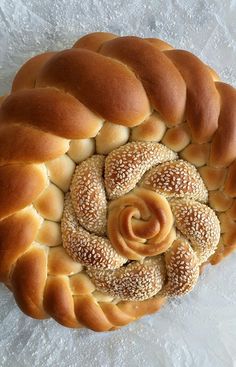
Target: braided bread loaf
<point>117,179</point>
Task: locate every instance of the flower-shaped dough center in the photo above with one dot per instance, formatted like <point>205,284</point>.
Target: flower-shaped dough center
<point>139,224</point>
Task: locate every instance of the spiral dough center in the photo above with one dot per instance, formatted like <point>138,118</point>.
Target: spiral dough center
<point>139,224</point>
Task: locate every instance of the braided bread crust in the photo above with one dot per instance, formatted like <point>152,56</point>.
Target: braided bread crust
<point>124,123</point>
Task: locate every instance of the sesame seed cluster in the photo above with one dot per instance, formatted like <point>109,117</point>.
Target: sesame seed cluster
<point>122,216</point>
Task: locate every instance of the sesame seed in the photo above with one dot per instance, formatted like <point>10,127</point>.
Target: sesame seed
<point>199,224</point>
<point>92,197</point>
<point>176,179</point>
<point>84,247</point>
<point>135,281</point>
<point>88,195</point>
<point>126,165</point>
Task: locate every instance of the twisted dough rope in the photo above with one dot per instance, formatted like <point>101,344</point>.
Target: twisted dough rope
<point>39,131</point>
<point>140,222</point>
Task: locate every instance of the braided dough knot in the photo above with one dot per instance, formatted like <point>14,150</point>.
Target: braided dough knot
<point>138,221</point>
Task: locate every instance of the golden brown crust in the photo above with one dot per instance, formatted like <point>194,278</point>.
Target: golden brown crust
<point>60,171</point>
<point>177,138</point>
<point>93,41</point>
<point>49,234</point>
<point>197,154</point>
<point>139,309</point>
<point>140,223</point>
<point>17,233</point>
<point>81,284</point>
<point>80,149</point>
<point>28,290</point>
<point>114,314</point>
<point>110,137</point>
<point>161,45</point>
<point>20,185</point>
<point>201,113</point>
<point>213,177</point>
<point>51,111</point>
<point>50,202</point>
<point>230,182</point>
<point>232,210</point>
<point>1,99</point>
<point>152,129</point>
<point>101,94</point>
<point>75,72</point>
<point>58,301</point>
<point>90,314</point>
<point>156,73</point>
<point>59,263</point>
<point>28,73</point>
<point>25,144</point>
<point>223,143</point>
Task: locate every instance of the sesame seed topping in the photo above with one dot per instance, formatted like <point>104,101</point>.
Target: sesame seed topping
<point>199,224</point>
<point>87,248</point>
<point>176,179</point>
<point>142,180</point>
<point>126,165</point>
<point>182,269</point>
<point>88,195</point>
<point>135,281</point>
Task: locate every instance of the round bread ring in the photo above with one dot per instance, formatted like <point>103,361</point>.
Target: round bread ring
<point>195,115</point>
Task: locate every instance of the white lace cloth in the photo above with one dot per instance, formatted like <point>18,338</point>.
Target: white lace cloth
<point>197,330</point>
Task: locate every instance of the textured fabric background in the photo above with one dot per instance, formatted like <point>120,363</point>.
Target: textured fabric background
<point>197,330</point>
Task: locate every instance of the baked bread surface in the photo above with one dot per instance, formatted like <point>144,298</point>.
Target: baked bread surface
<point>117,179</point>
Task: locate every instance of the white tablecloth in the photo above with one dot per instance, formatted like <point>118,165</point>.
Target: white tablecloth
<point>197,330</point>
